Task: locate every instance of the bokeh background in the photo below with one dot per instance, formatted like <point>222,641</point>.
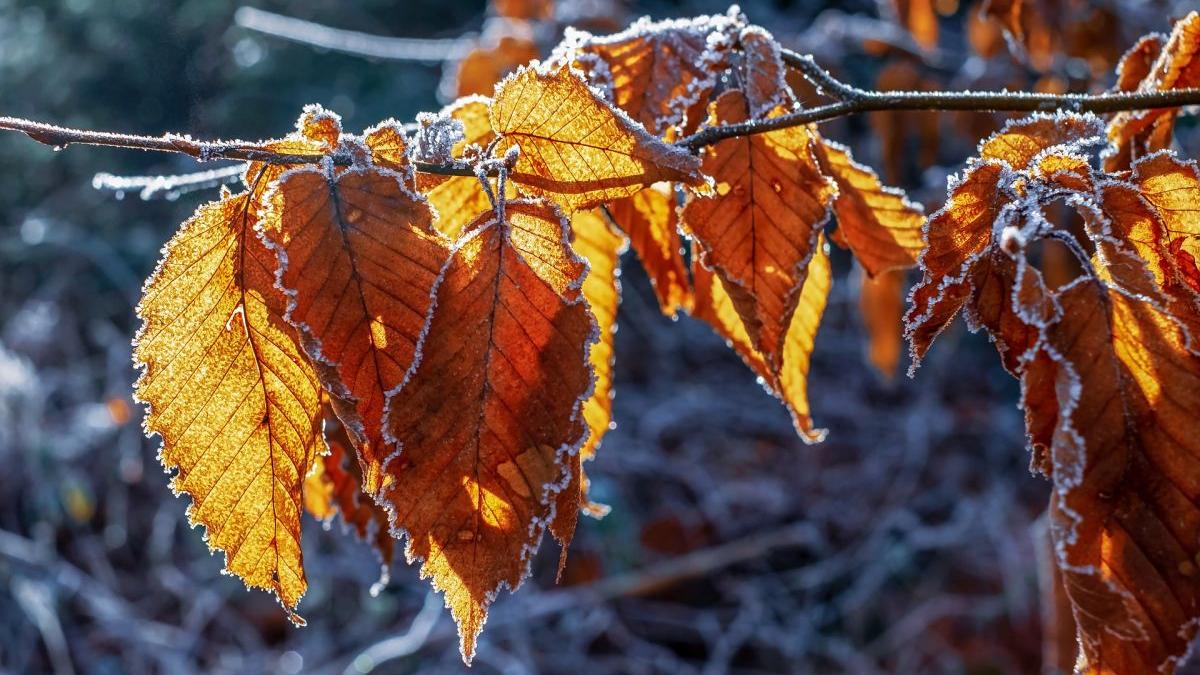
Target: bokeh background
<point>904,543</point>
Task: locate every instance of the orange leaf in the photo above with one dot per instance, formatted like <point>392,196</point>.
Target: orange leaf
<point>1020,141</point>
<point>358,257</point>
<point>959,236</point>
<point>758,231</point>
<point>658,72</point>
<point>490,420</point>
<point>877,223</point>
<point>1125,519</point>
<point>1177,66</point>
<point>574,147</point>
<point>651,221</point>
<point>231,394</point>
<point>762,72</point>
<point>596,242</point>
<point>334,485</point>
<point>881,302</point>
<point>788,383</point>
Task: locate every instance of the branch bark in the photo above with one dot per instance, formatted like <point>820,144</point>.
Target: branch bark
<point>847,100</point>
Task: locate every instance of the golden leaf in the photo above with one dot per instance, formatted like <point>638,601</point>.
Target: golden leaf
<point>1177,66</point>
<point>788,383</point>
<point>358,257</point>
<point>650,219</point>
<point>878,224</point>
<point>574,147</point>
<point>490,418</point>
<point>759,229</point>
<point>231,394</point>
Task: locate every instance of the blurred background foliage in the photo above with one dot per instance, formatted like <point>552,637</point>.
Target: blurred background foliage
<point>902,544</point>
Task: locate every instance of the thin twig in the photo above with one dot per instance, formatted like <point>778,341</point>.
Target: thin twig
<point>61,137</point>
<point>850,101</point>
<point>351,42</point>
<point>169,187</point>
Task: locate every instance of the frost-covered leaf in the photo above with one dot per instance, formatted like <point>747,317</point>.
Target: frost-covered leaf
<point>759,229</point>
<point>877,223</point>
<point>1125,522</point>
<point>574,147</point>
<point>490,418</point>
<point>651,221</point>
<point>762,72</point>
<point>961,237</point>
<point>1177,66</point>
<point>789,381</point>
<point>232,396</point>
<point>595,241</point>
<point>357,259</point>
<point>659,73</point>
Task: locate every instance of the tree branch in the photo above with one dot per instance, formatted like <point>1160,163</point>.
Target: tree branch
<point>848,100</point>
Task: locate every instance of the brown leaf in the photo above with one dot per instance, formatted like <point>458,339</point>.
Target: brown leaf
<point>358,257</point>
<point>490,419</point>
<point>762,72</point>
<point>1125,519</point>
<point>956,238</point>
<point>1177,66</point>
<point>231,394</point>
<point>650,219</point>
<point>959,238</point>
<point>659,73</point>
<point>877,223</point>
<point>759,229</point>
<point>789,383</point>
<point>574,147</point>
<point>334,486</point>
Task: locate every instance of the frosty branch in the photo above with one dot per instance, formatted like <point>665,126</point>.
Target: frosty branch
<point>847,100</point>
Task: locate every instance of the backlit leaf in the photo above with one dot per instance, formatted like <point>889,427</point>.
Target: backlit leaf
<point>658,72</point>
<point>490,419</point>
<point>232,396</point>
<point>759,229</point>
<point>959,237</point>
<point>789,382</point>
<point>650,219</point>
<point>1125,519</point>
<point>576,148</point>
<point>358,257</point>
<point>1177,66</point>
<point>878,224</point>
